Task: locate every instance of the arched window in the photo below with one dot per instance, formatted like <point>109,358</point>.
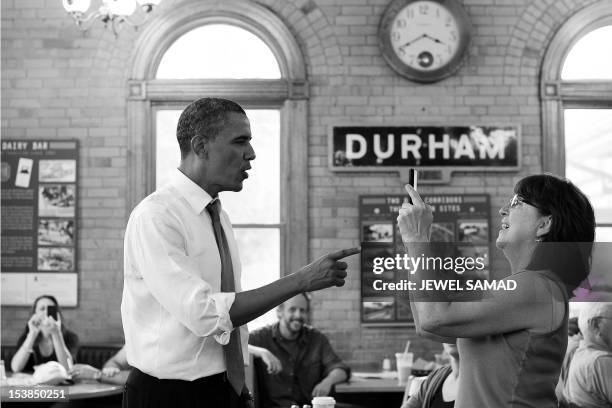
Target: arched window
<point>590,58</point>
<point>218,51</point>
<point>577,108</point>
<point>243,52</point>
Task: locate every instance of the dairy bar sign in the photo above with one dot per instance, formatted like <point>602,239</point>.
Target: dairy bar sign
<point>382,148</point>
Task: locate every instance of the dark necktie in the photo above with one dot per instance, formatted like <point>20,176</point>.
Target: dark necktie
<point>232,351</point>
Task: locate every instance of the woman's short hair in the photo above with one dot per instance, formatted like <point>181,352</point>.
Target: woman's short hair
<point>566,248</point>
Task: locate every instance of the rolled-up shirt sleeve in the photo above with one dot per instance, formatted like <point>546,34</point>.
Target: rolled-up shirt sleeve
<point>173,277</point>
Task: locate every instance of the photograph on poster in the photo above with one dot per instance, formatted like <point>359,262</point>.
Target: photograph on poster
<point>55,259</point>
<point>378,309</point>
<point>377,232</point>
<point>56,200</point>
<point>442,232</point>
<point>52,171</point>
<point>473,231</point>
<point>55,232</point>
<point>404,312</point>
<point>474,252</point>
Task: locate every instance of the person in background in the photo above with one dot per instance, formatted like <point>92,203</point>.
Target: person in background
<point>573,341</point>
<point>273,364</point>
<point>114,371</point>
<point>439,390</point>
<point>309,365</point>
<point>45,338</point>
<point>589,379</point>
<point>512,343</point>
<point>183,310</point>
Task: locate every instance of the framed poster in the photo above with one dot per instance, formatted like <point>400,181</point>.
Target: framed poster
<point>461,220</point>
<point>39,221</point>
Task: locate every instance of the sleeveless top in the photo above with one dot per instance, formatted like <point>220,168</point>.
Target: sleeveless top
<point>516,369</point>
<point>438,400</point>
<point>70,339</point>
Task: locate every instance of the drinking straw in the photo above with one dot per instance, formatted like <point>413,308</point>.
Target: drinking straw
<point>407,347</point>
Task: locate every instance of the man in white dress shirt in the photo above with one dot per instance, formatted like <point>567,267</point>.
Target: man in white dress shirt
<point>183,311</point>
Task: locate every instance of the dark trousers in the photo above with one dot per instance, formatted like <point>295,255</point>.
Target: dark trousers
<point>145,391</point>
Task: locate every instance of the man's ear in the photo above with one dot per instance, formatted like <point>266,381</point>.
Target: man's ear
<point>199,145</point>
<point>594,325</point>
<point>544,226</point>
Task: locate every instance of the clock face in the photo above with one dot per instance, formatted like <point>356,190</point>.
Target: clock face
<point>424,35</point>
<point>424,40</point>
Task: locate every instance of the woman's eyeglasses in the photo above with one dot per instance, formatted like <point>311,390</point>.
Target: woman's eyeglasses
<point>517,199</point>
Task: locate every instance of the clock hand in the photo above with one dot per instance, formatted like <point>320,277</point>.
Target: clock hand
<point>434,39</point>
<point>414,40</point>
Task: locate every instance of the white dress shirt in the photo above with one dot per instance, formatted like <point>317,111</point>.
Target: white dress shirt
<point>174,316</point>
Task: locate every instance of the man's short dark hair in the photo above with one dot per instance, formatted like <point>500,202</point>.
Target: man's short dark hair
<point>204,117</point>
<point>306,295</point>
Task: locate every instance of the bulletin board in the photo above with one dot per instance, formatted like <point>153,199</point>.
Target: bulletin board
<point>462,219</point>
<point>39,221</point>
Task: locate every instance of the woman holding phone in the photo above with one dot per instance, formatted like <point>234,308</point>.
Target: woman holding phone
<point>512,342</point>
<point>45,338</point>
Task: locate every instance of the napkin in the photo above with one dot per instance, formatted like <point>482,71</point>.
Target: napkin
<point>50,373</point>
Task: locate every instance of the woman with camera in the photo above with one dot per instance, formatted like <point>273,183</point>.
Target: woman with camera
<point>45,338</point>
<point>512,342</point>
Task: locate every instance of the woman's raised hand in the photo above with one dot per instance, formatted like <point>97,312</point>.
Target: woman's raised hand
<point>51,325</point>
<point>34,323</point>
<point>414,220</point>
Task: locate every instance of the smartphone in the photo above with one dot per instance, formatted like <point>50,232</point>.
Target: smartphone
<point>52,311</point>
<point>413,178</point>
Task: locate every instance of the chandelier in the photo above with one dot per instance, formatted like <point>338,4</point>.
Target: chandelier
<point>113,13</point>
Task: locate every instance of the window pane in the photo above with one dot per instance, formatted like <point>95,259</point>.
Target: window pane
<point>591,57</point>
<point>259,200</point>
<point>260,256</point>
<point>603,234</point>
<point>167,153</point>
<point>588,156</point>
<point>218,51</point>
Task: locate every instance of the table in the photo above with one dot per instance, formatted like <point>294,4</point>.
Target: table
<point>371,390</point>
<point>370,384</point>
<point>78,391</point>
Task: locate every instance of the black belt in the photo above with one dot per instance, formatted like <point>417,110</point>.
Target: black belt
<point>137,377</point>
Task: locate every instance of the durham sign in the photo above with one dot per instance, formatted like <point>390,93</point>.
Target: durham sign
<point>392,148</point>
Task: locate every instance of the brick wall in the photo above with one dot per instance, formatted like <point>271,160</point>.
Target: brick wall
<point>60,83</point>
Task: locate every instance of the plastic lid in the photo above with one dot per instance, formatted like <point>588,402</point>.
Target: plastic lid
<point>323,400</point>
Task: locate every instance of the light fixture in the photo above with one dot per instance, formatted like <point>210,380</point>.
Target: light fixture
<point>111,12</point>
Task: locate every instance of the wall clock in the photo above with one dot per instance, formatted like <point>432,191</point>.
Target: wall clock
<point>424,40</point>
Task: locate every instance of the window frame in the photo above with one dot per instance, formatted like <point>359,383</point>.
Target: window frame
<point>289,94</point>
<point>557,94</point>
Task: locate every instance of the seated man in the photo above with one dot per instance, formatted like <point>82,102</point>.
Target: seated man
<point>588,383</point>
<point>310,367</point>
<point>114,371</point>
